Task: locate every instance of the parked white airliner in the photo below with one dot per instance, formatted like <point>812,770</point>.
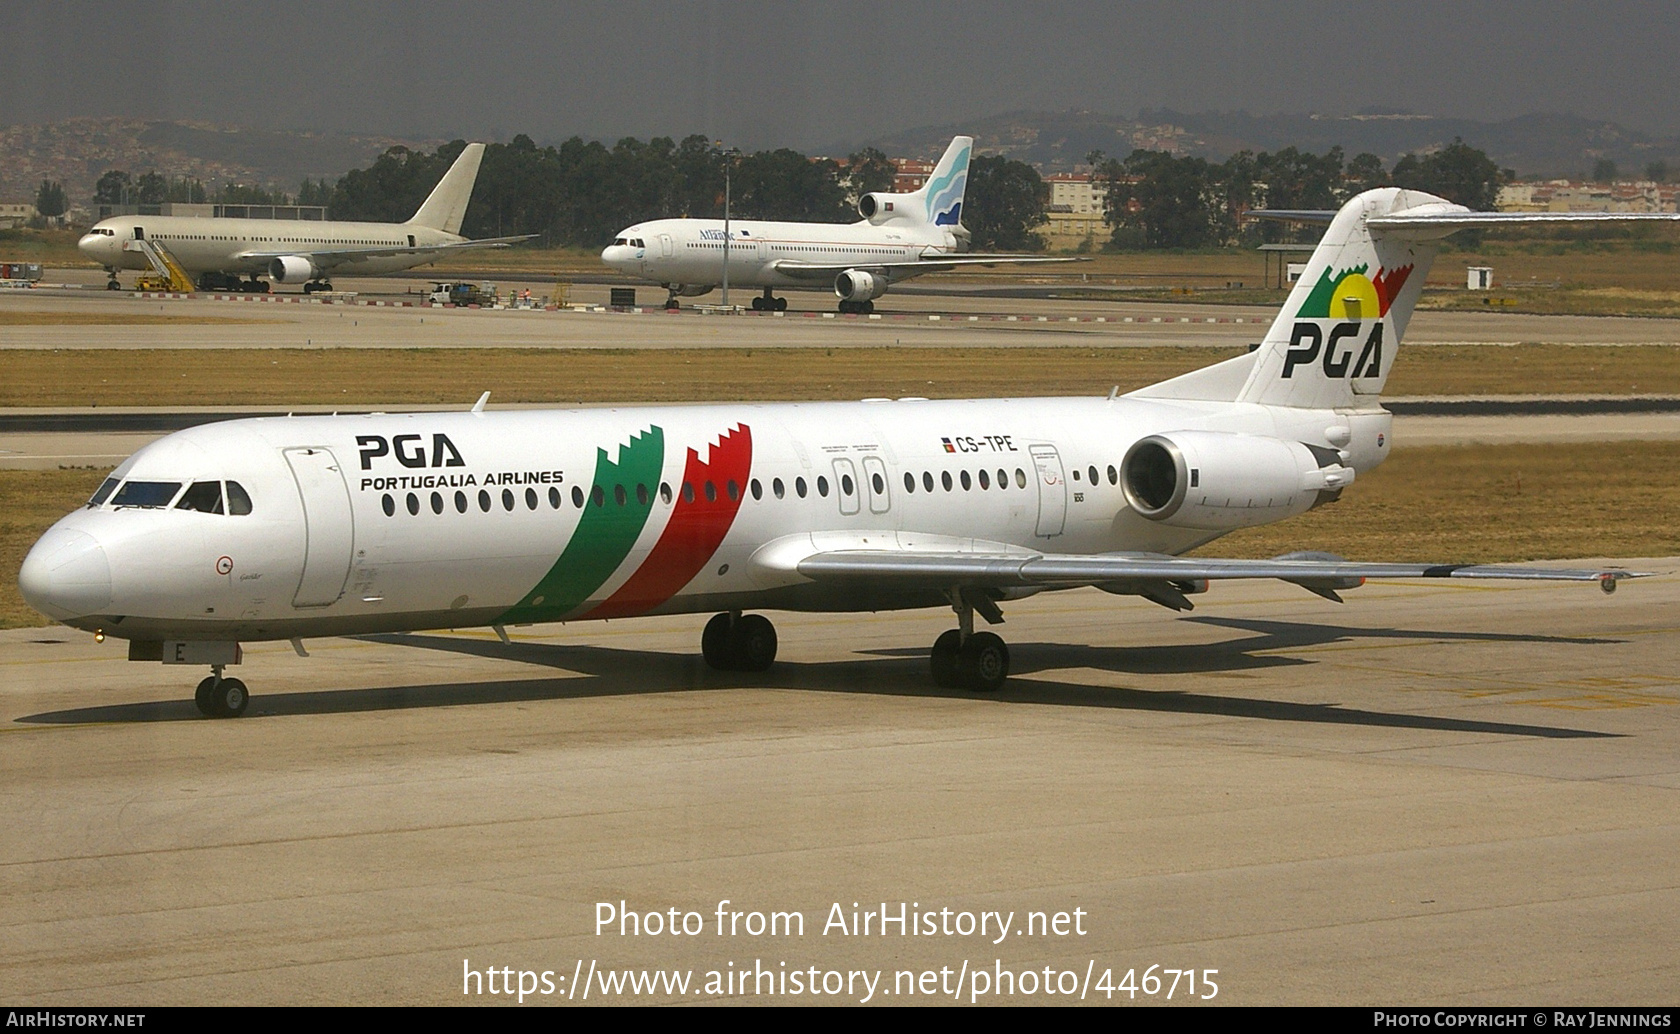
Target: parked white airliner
<point>279,528</point>
<point>229,254</point>
<point>899,236</point>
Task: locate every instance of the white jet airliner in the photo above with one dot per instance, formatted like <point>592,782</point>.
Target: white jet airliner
<point>229,254</point>
<point>899,236</point>
<point>286,528</point>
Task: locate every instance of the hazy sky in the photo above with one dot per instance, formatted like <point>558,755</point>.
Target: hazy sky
<point>761,74</point>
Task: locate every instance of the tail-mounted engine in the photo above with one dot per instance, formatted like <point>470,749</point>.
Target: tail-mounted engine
<point>1218,480</point>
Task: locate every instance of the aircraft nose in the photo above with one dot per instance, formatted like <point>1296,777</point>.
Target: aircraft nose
<point>89,245</point>
<point>66,575</point>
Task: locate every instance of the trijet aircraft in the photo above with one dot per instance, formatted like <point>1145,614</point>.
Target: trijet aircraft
<point>296,527</point>
<point>899,236</point>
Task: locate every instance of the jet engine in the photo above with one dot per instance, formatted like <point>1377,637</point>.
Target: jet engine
<point>291,269</point>
<point>1218,480</point>
<point>855,285</point>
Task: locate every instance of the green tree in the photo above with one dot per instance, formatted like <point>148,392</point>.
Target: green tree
<point>1604,171</point>
<point>1004,204</point>
<point>113,188</point>
<point>868,171</point>
<point>1457,172</point>
<point>1364,172</point>
<point>1158,201</point>
<point>1657,171</point>
<point>50,200</point>
<point>784,184</point>
<point>187,191</point>
<point>151,189</point>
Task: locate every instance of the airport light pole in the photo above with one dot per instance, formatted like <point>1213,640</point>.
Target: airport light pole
<point>728,162</point>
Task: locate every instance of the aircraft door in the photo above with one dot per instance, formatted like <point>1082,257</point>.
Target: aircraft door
<point>846,486</point>
<point>329,528</point>
<point>1052,490</point>
<point>875,480</point>
<point>665,246</point>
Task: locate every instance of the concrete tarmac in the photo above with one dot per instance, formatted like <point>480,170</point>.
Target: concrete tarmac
<point>290,320</point>
<point>1435,794</point>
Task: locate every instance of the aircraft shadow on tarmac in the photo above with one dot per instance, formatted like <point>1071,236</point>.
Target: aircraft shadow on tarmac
<point>603,671</point>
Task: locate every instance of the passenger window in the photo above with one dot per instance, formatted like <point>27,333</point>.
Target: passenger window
<point>507,499</point>
<point>1020,478</point>
<point>778,488</point>
<point>756,489</point>
<point>846,484</point>
<point>967,482</point>
<point>799,487</point>
<point>150,494</point>
<point>909,481</point>
<point>530,499</point>
<point>554,498</point>
<point>665,492</point>
<point>1003,478</point>
<point>822,486</point>
<point>945,479</point>
<point>238,503</point>
<point>927,481</point>
<point>203,496</point>
<point>104,492</point>
<point>985,479</point>
<point>484,500</point>
<point>577,497</point>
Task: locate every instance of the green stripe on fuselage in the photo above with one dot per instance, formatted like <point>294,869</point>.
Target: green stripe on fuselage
<point>604,534</point>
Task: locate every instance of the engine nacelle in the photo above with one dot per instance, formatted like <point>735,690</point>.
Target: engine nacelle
<point>857,285</point>
<point>1218,480</point>
<point>291,269</point>
<point>690,290</point>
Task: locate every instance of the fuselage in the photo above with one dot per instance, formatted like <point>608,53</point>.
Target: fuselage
<point>691,251</point>
<point>219,245</point>
<point>284,527</point>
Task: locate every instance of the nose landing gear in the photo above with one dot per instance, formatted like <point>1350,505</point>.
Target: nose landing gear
<point>217,697</point>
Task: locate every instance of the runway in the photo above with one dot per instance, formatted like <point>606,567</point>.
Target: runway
<point>1433,794</point>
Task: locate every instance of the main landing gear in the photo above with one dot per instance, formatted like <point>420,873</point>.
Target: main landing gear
<point>738,642</point>
<point>965,659</point>
<point>857,308</point>
<point>317,285</point>
<point>221,698</point>
<point>769,303</point>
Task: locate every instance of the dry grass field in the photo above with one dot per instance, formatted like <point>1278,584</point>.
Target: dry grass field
<point>1466,504</point>
<point>389,377</point>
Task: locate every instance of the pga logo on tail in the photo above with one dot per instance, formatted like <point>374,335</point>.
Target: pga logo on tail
<point>1331,322</point>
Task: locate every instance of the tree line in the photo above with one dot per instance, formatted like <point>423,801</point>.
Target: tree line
<point>1157,200</point>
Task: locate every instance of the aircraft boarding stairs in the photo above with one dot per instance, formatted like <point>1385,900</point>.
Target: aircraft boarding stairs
<point>168,273</point>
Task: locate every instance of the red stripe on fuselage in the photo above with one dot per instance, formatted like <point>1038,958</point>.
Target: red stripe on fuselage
<point>693,533</point>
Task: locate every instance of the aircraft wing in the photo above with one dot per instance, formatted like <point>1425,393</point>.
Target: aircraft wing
<point>328,257</point>
<point>911,267</point>
<point>1152,575</point>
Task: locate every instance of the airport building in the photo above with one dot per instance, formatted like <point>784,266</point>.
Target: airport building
<point>1075,211</point>
<point>15,213</point>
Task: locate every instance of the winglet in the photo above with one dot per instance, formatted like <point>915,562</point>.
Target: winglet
<point>478,407</point>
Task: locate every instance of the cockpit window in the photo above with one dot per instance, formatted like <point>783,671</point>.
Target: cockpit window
<point>105,491</point>
<point>239,504</point>
<point>203,496</point>
<point>146,493</point>
<point>637,241</point>
<point>620,240</point>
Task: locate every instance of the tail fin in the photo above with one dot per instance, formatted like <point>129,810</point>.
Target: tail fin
<point>942,194</point>
<point>938,203</point>
<point>446,206</point>
<point>1335,339</point>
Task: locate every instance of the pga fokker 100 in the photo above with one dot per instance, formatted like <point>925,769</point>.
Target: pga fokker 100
<point>287,528</point>
<point>899,236</point>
